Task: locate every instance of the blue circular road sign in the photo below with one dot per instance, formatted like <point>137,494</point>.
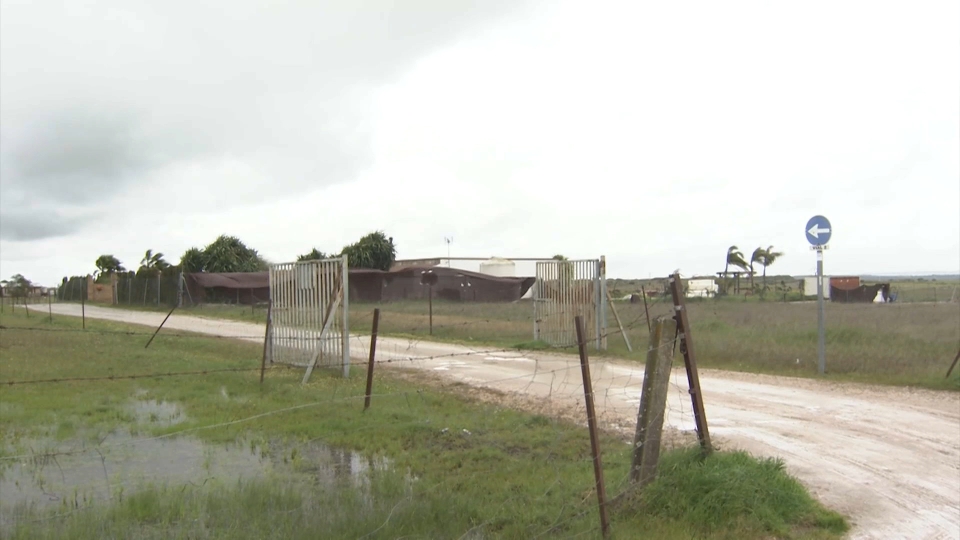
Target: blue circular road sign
<point>818,231</point>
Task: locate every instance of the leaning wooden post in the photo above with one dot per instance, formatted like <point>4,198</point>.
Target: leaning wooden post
<point>619,324</point>
<point>592,423</point>
<point>689,359</point>
<point>646,310</point>
<point>953,365</point>
<point>373,355</point>
<point>653,402</point>
<point>266,340</point>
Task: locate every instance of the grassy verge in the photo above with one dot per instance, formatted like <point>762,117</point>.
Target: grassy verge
<point>896,344</point>
<point>480,470</point>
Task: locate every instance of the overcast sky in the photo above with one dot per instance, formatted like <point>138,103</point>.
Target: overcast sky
<point>655,133</point>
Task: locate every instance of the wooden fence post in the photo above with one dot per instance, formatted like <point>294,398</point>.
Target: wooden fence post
<point>646,310</point>
<point>592,423</point>
<point>653,402</point>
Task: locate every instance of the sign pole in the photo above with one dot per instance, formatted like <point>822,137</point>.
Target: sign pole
<point>821,332</point>
<point>818,232</point>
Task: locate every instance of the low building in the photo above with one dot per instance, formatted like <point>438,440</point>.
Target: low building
<point>808,286</point>
<point>702,287</point>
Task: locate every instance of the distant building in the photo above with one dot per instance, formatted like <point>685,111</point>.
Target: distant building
<point>808,286</point>
<point>702,287</point>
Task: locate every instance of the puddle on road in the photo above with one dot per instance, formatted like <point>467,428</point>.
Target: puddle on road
<point>122,463</point>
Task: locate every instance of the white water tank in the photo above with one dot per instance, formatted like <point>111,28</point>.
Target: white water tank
<point>496,266</point>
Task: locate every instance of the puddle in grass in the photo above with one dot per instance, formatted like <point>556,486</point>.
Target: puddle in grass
<point>122,463</point>
<point>163,413</point>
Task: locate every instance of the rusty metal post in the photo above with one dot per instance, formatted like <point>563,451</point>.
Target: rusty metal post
<point>690,362</point>
<point>157,331</point>
<point>373,355</point>
<point>83,305</point>
<point>266,340</point>
<point>430,301</point>
<point>50,306</point>
<point>592,423</point>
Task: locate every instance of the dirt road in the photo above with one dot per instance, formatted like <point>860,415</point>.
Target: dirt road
<point>888,458</point>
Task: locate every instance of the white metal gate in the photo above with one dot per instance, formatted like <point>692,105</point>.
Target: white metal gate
<point>309,314</point>
<point>565,289</point>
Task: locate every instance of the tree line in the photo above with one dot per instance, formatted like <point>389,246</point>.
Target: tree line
<point>230,254</point>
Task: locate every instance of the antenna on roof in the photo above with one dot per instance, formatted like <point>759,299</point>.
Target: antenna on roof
<point>448,240</point>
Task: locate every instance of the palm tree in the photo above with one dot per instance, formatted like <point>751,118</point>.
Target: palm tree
<point>768,257</point>
<point>734,258</point>
<point>755,258</point>
<point>153,263</point>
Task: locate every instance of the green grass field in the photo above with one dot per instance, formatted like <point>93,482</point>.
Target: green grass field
<point>900,343</point>
<point>458,468</point>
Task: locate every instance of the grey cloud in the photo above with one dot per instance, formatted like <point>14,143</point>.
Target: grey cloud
<point>20,226</point>
<point>100,100</point>
<point>72,155</point>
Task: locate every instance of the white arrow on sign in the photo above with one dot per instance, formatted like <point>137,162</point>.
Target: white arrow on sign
<point>816,230</point>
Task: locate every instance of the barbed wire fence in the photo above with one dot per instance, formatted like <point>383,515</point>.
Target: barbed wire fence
<point>546,381</point>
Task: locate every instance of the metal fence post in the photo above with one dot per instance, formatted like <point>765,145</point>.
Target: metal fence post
<point>345,306</point>
<point>267,335</point>
<point>536,298</point>
<point>592,423</point>
<point>373,355</point>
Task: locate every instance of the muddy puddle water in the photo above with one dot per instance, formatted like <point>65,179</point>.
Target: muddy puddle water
<point>75,473</point>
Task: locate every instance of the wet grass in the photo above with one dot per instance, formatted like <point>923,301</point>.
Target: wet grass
<point>909,344</point>
<point>480,470</point>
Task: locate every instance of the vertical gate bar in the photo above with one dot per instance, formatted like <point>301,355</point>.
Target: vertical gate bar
<point>328,271</point>
<point>319,278</point>
<point>598,303</point>
<point>325,296</point>
<point>345,306</point>
<point>330,349</point>
<point>306,322</point>
<point>322,301</point>
<point>281,313</point>
<point>604,297</point>
<point>307,305</point>
<point>534,295</point>
<point>311,301</point>
<point>288,314</point>
<point>299,300</point>
<point>562,291</point>
<point>276,343</point>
